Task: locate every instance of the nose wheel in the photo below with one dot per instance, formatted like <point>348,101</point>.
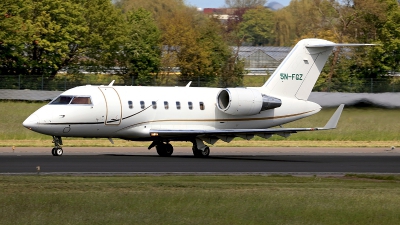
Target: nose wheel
<point>57,150</point>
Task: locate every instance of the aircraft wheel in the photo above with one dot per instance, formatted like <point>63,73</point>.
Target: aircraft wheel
<point>57,151</point>
<point>201,154</point>
<point>164,150</point>
<point>53,151</point>
<point>169,149</point>
<point>206,152</point>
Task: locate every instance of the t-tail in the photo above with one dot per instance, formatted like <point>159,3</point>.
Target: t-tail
<point>296,75</point>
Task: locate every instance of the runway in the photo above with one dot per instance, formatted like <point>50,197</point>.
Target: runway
<point>222,161</point>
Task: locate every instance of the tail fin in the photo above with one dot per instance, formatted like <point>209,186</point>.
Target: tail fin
<point>296,75</point>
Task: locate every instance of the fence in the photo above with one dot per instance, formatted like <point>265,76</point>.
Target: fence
<point>34,82</point>
<point>64,82</point>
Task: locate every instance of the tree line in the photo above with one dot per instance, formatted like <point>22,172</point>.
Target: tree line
<point>141,39</point>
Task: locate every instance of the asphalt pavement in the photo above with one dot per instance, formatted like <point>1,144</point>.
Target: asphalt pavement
<point>302,161</point>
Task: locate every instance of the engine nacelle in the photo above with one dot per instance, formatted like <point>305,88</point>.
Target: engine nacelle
<point>245,102</point>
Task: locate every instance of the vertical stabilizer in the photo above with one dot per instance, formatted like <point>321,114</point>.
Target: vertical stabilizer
<point>296,75</point>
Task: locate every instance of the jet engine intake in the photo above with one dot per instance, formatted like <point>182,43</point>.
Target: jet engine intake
<point>245,102</point>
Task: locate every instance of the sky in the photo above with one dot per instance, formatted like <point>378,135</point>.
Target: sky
<point>220,3</point>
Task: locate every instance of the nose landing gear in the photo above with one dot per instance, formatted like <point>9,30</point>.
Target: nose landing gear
<point>57,150</point>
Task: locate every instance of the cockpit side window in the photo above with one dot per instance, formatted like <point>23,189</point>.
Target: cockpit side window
<point>61,100</point>
<point>81,100</point>
<point>76,100</point>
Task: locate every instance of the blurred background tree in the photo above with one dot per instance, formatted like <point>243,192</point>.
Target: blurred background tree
<point>147,40</point>
<point>140,53</point>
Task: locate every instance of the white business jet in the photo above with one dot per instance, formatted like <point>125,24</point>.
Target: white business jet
<point>195,114</point>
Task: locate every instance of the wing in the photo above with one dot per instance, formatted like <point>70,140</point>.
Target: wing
<point>228,134</point>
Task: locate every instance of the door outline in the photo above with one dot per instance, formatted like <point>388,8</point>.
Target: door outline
<point>113,107</point>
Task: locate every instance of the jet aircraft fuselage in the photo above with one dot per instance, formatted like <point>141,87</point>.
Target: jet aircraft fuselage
<point>132,112</point>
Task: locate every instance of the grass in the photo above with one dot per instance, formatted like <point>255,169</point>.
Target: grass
<point>255,81</point>
<point>12,115</point>
<point>358,127</point>
<point>198,200</point>
<point>375,176</point>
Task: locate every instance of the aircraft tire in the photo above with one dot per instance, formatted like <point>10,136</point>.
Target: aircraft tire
<point>165,150</point>
<point>53,151</point>
<point>201,154</point>
<point>59,152</point>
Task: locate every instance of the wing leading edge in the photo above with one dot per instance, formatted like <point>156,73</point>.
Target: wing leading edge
<point>337,45</point>
<point>331,124</point>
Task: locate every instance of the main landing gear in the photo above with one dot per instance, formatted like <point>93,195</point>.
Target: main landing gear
<point>200,149</point>
<point>165,149</point>
<point>57,150</point>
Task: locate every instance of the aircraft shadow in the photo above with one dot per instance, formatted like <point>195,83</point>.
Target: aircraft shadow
<point>219,157</point>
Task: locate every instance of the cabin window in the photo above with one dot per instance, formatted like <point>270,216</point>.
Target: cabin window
<point>190,105</point>
<point>142,104</point>
<point>166,106</point>
<point>81,100</point>
<point>201,105</point>
<point>154,103</point>
<point>61,100</point>
<point>178,105</point>
<point>130,103</point>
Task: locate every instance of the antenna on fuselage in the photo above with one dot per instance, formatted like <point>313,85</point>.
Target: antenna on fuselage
<point>112,82</point>
<point>188,85</point>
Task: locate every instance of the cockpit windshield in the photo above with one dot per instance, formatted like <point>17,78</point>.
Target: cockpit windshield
<point>81,100</point>
<point>65,100</point>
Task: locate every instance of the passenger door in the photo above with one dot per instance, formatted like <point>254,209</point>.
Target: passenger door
<point>113,105</point>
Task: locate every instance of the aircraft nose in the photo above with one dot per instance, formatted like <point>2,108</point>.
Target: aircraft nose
<point>31,122</point>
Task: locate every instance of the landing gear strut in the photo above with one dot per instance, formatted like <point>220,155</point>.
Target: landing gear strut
<point>163,149</point>
<point>57,150</point>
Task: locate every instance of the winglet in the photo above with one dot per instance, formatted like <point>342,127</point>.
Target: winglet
<point>333,121</point>
<point>112,82</point>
